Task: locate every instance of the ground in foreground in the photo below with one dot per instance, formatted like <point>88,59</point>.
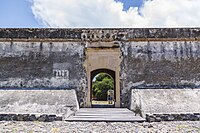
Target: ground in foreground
<point>97,127</point>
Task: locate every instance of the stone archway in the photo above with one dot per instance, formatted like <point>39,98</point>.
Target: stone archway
<point>99,59</point>
<point>111,73</point>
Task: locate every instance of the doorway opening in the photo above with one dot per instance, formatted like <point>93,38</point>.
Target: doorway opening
<point>103,88</point>
<point>102,60</point>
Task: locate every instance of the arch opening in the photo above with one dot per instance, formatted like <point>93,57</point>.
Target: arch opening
<point>103,88</point>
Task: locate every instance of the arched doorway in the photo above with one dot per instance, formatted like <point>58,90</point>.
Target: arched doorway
<point>106,60</point>
<point>103,88</point>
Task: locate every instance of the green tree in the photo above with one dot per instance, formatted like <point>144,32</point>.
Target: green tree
<point>102,83</point>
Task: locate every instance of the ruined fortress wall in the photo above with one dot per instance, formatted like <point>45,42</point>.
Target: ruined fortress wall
<point>160,65</point>
<point>54,58</point>
<point>144,64</point>
<point>41,64</point>
<point>168,64</point>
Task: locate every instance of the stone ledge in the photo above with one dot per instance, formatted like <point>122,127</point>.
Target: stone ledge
<point>173,117</point>
<point>30,117</point>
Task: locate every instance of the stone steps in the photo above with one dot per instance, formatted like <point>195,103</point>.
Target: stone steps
<point>105,114</point>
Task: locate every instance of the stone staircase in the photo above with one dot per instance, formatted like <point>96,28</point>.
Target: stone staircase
<point>106,115</point>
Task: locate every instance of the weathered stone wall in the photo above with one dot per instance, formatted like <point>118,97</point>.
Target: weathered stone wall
<point>173,117</point>
<point>103,35</point>
<point>41,64</point>
<point>53,58</point>
<point>160,64</point>
<point>62,103</point>
<point>165,101</point>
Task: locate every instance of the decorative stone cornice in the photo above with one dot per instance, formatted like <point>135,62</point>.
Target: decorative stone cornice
<point>103,35</point>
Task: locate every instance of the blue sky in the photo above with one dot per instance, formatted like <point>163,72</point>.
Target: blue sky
<point>99,14</point>
<point>18,13</point>
<point>131,3</point>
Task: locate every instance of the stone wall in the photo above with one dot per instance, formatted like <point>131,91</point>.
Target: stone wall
<point>61,103</point>
<point>165,101</point>
<point>160,64</point>
<point>41,64</point>
<point>156,64</point>
<point>100,34</point>
<point>53,58</point>
<point>172,117</point>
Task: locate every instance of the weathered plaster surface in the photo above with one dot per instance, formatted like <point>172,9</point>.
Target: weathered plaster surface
<point>41,64</point>
<point>161,64</point>
<point>59,102</point>
<point>165,101</point>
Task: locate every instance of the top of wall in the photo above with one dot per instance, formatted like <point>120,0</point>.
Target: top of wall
<point>121,34</point>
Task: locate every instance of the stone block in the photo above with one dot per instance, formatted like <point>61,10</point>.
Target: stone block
<point>43,118</point>
<point>32,118</point>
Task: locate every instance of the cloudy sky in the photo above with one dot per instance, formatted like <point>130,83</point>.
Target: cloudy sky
<point>99,13</point>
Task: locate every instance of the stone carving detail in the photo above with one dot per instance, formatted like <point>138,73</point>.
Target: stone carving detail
<point>103,35</point>
<point>61,73</point>
<point>60,70</point>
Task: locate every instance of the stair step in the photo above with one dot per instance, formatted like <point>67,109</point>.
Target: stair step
<point>105,114</point>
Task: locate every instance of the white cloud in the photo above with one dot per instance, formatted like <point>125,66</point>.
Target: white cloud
<point>109,13</point>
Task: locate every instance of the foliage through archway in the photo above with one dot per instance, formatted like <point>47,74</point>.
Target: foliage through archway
<point>101,83</point>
